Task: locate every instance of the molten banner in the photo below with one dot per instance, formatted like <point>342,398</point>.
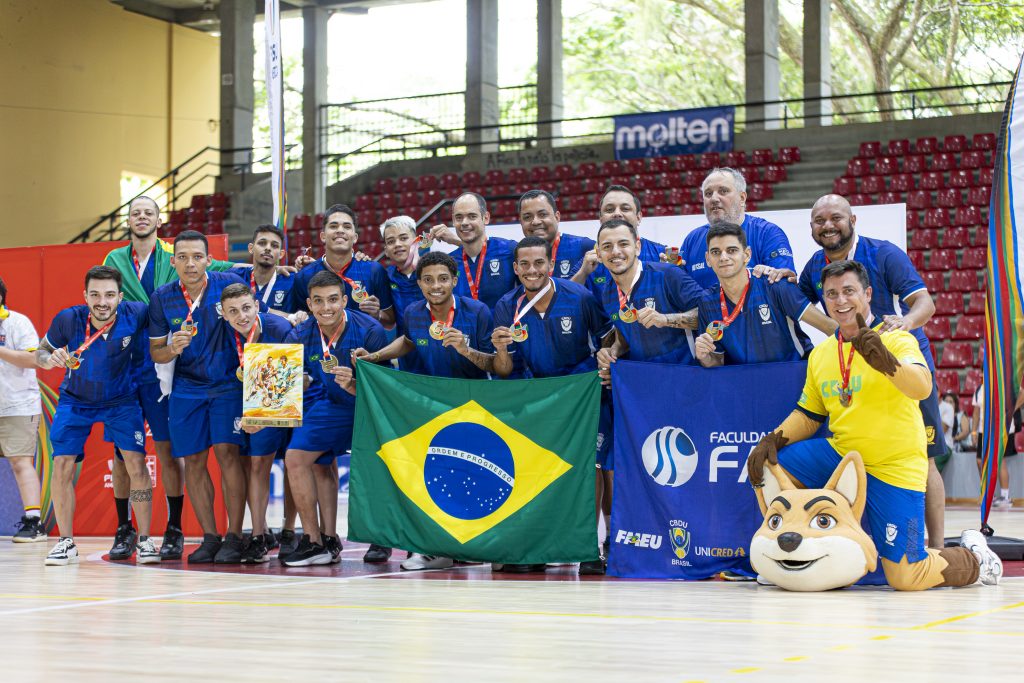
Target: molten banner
<point>686,131</point>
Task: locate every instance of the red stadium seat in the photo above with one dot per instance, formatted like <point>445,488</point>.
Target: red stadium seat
<point>515,175</point>
<point>949,198</point>
<point>934,280</point>
<point>949,303</point>
<point>926,145</point>
<point>587,169</point>
<point>980,238</point>
<point>431,197</point>
<point>954,143</point>
<point>919,199</point>
<point>872,184</point>
<point>975,257</point>
<point>429,182</point>
<point>759,192</point>
<point>635,166</point>
<point>684,162</point>
<point>948,380</point>
<point>890,198</point>
<point>924,239</point>
<point>869,150</point>
<point>901,182</point>
<point>612,167</point>
<point>406,183</point>
<point>887,166</point>
<point>961,179</point>
<point>957,355</point>
<point>660,165</point>
<point>972,159</point>
<point>931,180</point>
<point>573,186</point>
<point>736,159</point>
<point>681,195</point>
<point>775,173</point>
<point>967,216</point>
<point>496,177</point>
<point>857,167</point>
<point>983,141</point>
<point>860,199</point>
<point>789,155</point>
<point>471,180</point>
<point>942,259</point>
<point>666,180</point>
<point>979,196</point>
<point>942,161</point>
<point>389,201</point>
<point>844,186</point>
<point>406,199</point>
<point>972,380</point>
<point>642,182</point>
<point>363,202</point>
<point>955,238</point>
<point>912,220</point>
<point>899,148</point>
<point>914,163</point>
<point>199,201</point>
<point>651,197</point>
<point>963,281</point>
<point>709,160</point>
<point>970,327</point>
<point>936,218</point>
<point>985,176</point>
<point>917,258</point>
<point>692,178</point>
<point>384,185</point>
<point>449,181</point>
<point>762,157</point>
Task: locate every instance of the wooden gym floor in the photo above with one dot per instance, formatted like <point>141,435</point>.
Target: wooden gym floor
<point>356,622</point>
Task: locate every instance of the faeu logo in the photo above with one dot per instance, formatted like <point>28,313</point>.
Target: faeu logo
<point>685,131</point>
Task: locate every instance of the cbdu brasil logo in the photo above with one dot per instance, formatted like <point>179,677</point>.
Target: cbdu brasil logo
<point>669,456</point>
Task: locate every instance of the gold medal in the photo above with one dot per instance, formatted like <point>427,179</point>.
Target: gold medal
<point>329,363</point>
<point>628,314</point>
<point>358,293</point>
<point>73,362</point>
<point>437,330</point>
<point>190,327</point>
<point>716,328</point>
<point>519,332</point>
<point>845,398</point>
<point>239,374</point>
<point>672,256</point>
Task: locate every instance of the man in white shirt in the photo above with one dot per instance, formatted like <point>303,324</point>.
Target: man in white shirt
<point>20,412</point>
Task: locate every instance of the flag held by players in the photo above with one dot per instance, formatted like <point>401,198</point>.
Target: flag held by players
<point>475,470</point>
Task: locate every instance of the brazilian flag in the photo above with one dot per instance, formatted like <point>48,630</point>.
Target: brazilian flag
<point>490,471</point>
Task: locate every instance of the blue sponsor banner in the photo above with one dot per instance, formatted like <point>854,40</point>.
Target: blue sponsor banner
<point>683,508</point>
<point>685,131</point>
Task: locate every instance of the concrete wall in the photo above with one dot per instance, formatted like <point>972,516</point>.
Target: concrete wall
<point>88,91</point>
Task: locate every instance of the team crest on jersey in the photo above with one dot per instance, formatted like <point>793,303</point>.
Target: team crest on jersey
<point>766,314</point>
<point>220,311</point>
<point>238,425</point>
<point>649,302</point>
<point>566,323</point>
<point>125,341</point>
<point>139,439</point>
<point>564,267</point>
<point>495,265</point>
<point>278,297</point>
<point>890,533</point>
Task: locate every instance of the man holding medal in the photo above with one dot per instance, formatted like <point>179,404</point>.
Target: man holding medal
<point>248,325</point>
<point>186,326</point>
<point>893,278</point>
<point>763,325</point>
<point>329,339</point>
<point>867,382</point>
<point>539,217</point>
<point>94,343</point>
<point>366,284</point>
<point>401,247</point>
<point>551,326</point>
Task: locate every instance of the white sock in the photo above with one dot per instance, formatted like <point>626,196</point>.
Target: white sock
<point>1004,493</point>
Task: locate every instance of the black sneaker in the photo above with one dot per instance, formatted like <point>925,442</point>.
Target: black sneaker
<point>524,568</point>
<point>230,551</point>
<point>333,545</point>
<point>256,551</point>
<point>173,545</point>
<point>124,543</point>
<point>288,542</point>
<point>30,530</point>
<point>270,540</point>
<point>376,554</point>
<point>207,550</point>
<point>307,554</point>
<point>593,567</point>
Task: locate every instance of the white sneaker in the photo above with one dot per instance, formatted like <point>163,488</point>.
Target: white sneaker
<point>991,565</point>
<point>418,562</point>
<point>63,553</point>
<point>146,552</point>
<point>762,581</point>
<point>1002,502</point>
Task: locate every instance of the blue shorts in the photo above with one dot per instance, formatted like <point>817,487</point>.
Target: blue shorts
<point>932,422</point>
<point>893,516</point>
<point>272,441</point>
<point>198,423</point>
<point>605,453</point>
<point>122,426</point>
<point>326,428</point>
<point>155,411</point>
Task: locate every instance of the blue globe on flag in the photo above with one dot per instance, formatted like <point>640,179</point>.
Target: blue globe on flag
<point>469,471</point>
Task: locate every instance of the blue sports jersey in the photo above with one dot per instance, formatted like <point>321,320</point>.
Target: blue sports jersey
<point>368,273</point>
<point>893,279</point>
<point>669,290</point>
<point>768,244</point>
<point>106,376</point>
<point>279,297</point>
<point>496,274</point>
<point>429,356</point>
<point>273,330</point>
<point>563,341</point>
<point>569,257</point>
<point>649,251</point>
<point>206,368</point>
<point>148,279</point>
<point>361,331</point>
<point>405,289</point>
<point>767,330</point>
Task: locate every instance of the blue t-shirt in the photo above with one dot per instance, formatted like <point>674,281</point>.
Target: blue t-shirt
<point>206,367</point>
<point>564,340</point>
<point>405,289</point>
<point>893,280</point>
<point>148,279</point>
<point>429,356</point>
<point>767,330</point>
<point>369,274</point>
<point>768,244</point>
<point>279,297</point>
<point>649,251</point>
<point>106,376</point>
<point>669,290</point>
<point>496,274</point>
<point>571,250</point>
<point>361,331</point>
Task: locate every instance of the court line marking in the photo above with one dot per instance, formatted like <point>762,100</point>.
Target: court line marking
<point>969,615</point>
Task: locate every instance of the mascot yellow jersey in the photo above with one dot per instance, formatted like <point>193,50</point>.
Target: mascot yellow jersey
<point>882,424</point>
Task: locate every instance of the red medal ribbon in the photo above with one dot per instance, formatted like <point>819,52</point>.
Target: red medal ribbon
<point>474,283</point>
<point>341,273</point>
<point>554,252</point>
<point>537,297</point>
<point>248,340</point>
<point>326,345</point>
<point>845,367</point>
<point>727,317</point>
<point>135,262</point>
<point>188,299</point>
<point>89,339</point>
<point>448,320</point>
<point>414,253</point>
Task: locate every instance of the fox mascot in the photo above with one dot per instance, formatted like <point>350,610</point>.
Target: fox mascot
<point>812,539</point>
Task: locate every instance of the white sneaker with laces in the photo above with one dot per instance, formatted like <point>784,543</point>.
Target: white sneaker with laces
<point>63,553</point>
<point>146,552</point>
<point>419,562</point>
<point>991,565</point>
<point>1002,502</point>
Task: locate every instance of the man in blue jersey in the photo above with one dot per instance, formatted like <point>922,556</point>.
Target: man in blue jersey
<point>270,288</point>
<point>248,325</point>
<point>725,199</point>
<point>186,326</point>
<point>552,326</point>
<point>94,343</point>
<point>746,319</point>
<point>400,247</point>
<point>328,340</point>
<point>539,217</point>
<point>893,279</point>
<point>366,284</point>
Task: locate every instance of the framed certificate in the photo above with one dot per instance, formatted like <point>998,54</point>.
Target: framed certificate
<point>272,385</point>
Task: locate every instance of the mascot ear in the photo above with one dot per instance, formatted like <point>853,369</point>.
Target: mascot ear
<point>775,482</point>
<point>850,481</point>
